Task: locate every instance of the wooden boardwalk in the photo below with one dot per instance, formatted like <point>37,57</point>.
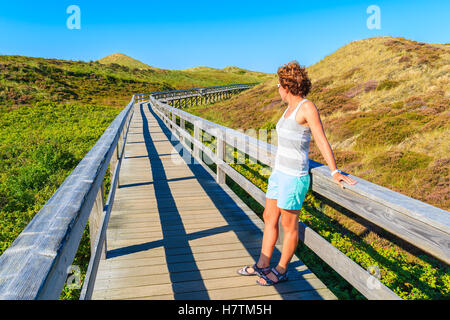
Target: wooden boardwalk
<point>174,233</point>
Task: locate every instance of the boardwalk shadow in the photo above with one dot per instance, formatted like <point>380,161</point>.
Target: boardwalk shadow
<point>246,231</point>
<point>166,203</point>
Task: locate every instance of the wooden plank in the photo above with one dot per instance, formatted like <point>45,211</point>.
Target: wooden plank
<point>346,267</point>
<point>139,260</point>
<point>198,240</point>
<point>198,232</point>
<point>182,225</point>
<point>242,292</point>
<point>250,254</point>
<point>199,196</point>
<point>125,219</point>
<point>152,214</point>
<point>175,269</point>
<point>201,238</point>
<point>166,252</point>
<point>143,221</point>
<point>318,294</point>
<point>173,206</point>
<point>158,274</point>
<point>223,288</point>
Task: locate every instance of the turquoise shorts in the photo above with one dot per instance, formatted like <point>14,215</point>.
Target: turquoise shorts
<point>289,191</point>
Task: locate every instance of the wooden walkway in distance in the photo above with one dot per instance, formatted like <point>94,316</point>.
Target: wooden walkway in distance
<point>174,233</point>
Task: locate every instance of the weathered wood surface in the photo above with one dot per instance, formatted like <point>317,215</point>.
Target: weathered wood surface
<point>174,233</point>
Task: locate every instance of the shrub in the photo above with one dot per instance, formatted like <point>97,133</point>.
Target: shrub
<point>391,129</point>
<point>387,84</point>
<point>405,58</point>
<point>39,147</point>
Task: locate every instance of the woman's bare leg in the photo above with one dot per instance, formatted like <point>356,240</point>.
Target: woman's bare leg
<point>271,215</point>
<point>289,222</point>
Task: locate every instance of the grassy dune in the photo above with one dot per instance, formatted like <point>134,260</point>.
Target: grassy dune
<point>25,81</point>
<point>126,61</point>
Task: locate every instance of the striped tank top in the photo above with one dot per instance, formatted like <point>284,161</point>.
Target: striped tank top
<point>293,145</point>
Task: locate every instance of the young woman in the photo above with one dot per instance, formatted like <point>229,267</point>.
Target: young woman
<point>290,179</point>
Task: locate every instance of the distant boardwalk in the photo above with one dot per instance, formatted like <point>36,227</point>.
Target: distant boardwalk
<point>174,233</point>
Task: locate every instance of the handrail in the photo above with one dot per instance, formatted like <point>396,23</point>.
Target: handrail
<point>194,91</point>
<point>35,265</point>
<point>99,244</point>
<point>421,224</point>
<point>226,86</point>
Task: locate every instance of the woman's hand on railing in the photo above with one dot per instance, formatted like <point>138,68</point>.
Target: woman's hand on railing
<point>338,177</point>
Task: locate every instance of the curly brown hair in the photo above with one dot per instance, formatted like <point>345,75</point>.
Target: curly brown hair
<point>295,78</point>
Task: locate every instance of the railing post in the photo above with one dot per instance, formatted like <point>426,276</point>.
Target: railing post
<point>167,113</point>
<point>220,153</point>
<point>118,145</point>
<point>95,219</point>
<point>116,159</point>
<point>197,136</point>
<point>174,120</point>
<point>113,163</point>
<point>182,124</point>
<point>182,128</point>
<point>121,140</point>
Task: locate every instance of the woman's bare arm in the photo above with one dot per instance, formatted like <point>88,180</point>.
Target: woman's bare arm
<point>315,124</point>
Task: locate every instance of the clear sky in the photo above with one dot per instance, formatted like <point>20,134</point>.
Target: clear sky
<point>256,35</point>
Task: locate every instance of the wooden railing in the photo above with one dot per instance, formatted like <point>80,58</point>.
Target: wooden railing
<point>36,264</point>
<point>420,224</point>
<point>193,92</point>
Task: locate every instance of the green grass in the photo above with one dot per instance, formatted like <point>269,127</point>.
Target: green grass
<point>40,145</point>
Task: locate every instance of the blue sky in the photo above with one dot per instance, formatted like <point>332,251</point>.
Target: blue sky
<point>256,35</point>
